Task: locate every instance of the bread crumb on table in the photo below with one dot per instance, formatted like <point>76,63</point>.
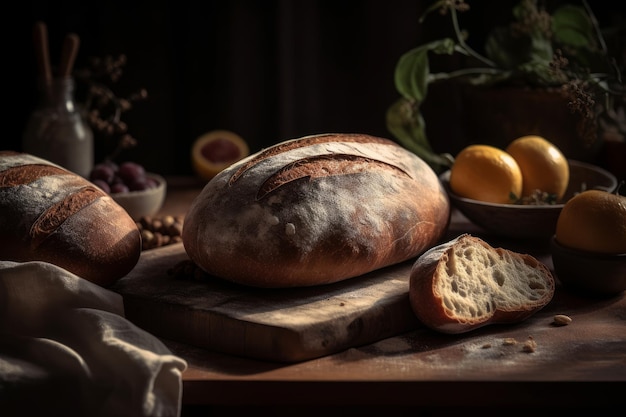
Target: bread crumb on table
<point>509,341</point>
<point>529,345</point>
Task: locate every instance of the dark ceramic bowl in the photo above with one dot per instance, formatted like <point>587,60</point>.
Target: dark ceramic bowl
<point>530,221</point>
<point>589,273</point>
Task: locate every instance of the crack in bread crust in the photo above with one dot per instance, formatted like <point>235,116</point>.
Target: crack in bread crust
<point>25,174</point>
<point>324,166</point>
<point>56,214</point>
<point>303,142</point>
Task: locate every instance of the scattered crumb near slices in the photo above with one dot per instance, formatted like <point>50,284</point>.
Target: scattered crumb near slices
<point>509,341</point>
<point>486,346</point>
<point>561,320</point>
<point>529,345</point>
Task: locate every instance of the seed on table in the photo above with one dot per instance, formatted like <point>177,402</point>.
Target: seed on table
<point>562,320</point>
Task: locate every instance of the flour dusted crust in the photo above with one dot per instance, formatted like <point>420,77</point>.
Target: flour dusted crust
<point>53,215</point>
<point>465,283</point>
<point>316,210</point>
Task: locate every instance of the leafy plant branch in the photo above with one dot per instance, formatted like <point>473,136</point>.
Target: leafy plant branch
<point>564,50</point>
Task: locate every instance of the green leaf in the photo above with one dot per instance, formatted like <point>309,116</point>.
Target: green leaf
<point>574,32</point>
<point>571,26</point>
<point>541,50</point>
<point>407,125</point>
<point>509,51</point>
<point>505,50</point>
<point>412,71</point>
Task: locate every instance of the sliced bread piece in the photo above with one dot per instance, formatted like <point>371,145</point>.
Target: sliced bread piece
<point>465,284</point>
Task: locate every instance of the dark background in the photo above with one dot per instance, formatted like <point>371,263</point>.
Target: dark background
<point>269,70</point>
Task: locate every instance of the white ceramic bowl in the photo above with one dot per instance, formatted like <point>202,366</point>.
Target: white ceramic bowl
<point>530,221</point>
<point>145,202</point>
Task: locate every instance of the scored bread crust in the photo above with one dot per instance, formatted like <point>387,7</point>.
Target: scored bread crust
<point>465,284</point>
<point>51,214</point>
<point>316,210</point>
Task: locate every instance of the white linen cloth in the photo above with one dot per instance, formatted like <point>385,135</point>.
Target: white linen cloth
<point>67,349</point>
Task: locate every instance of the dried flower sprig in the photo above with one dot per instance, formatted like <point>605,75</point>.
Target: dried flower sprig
<point>104,107</point>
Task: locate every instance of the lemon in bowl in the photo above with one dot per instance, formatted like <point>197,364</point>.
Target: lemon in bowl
<point>519,191</point>
<point>589,245</point>
<point>542,164</point>
<point>485,173</point>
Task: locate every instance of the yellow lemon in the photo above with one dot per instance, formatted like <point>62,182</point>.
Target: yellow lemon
<point>543,165</point>
<point>486,173</point>
<point>593,221</point>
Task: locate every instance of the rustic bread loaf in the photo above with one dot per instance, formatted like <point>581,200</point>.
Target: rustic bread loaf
<point>53,215</point>
<point>465,284</point>
<point>316,210</point>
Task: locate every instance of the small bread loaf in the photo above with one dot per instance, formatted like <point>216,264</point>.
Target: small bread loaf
<point>465,284</point>
<point>51,214</point>
<point>316,210</point>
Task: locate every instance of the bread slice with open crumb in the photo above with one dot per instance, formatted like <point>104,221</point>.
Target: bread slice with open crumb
<point>465,284</point>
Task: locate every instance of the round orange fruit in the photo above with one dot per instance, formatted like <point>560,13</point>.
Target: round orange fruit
<point>593,221</point>
<point>486,173</point>
<point>216,150</point>
<point>543,165</point>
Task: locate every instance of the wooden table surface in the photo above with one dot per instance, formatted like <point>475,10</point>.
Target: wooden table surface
<point>579,365</point>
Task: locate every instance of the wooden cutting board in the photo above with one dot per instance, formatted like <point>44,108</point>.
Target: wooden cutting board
<point>283,325</point>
